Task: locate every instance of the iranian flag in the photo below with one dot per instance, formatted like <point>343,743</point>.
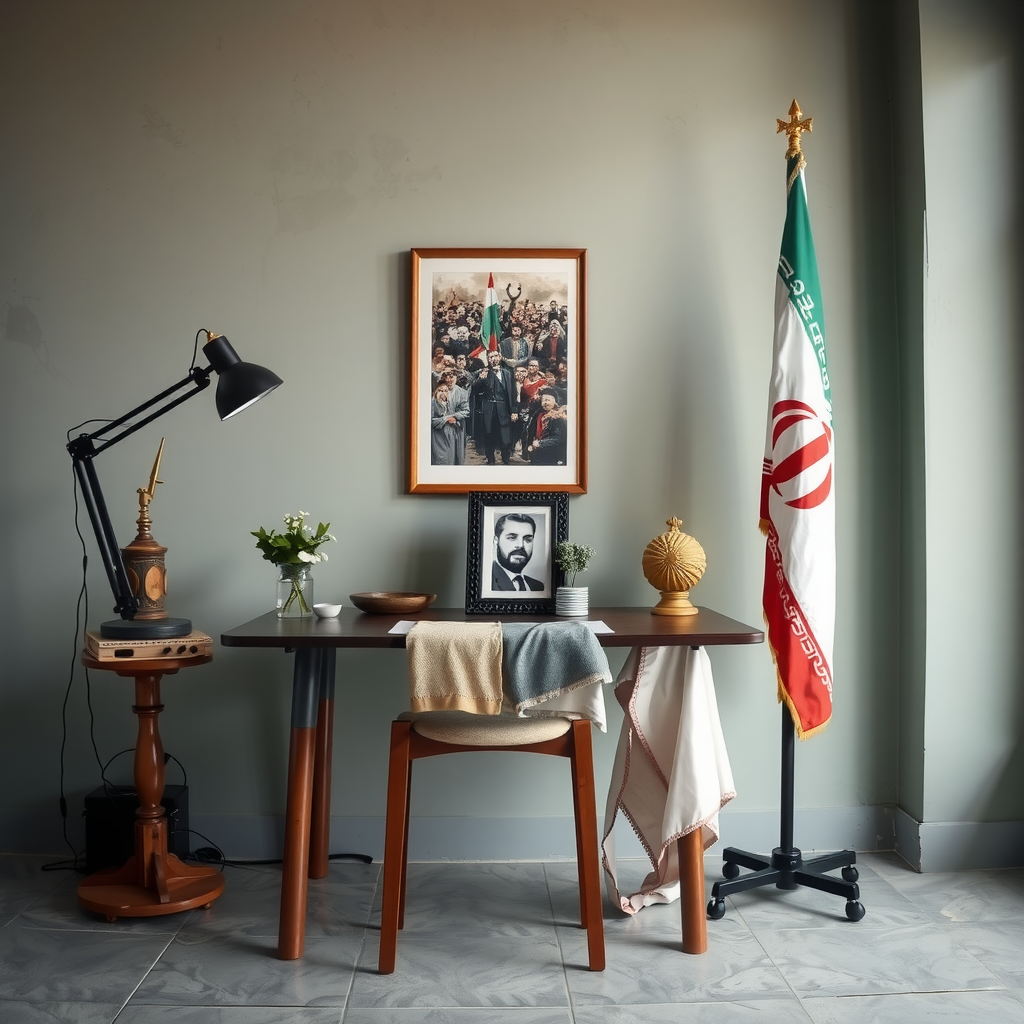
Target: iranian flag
<point>798,481</point>
<point>490,328</point>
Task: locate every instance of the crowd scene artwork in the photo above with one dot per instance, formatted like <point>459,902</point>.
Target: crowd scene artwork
<point>499,370</point>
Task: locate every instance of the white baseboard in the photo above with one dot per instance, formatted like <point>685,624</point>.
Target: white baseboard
<point>929,846</point>
<point>959,845</point>
<point>253,837</point>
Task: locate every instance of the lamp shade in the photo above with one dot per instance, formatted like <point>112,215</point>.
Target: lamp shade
<point>239,384</point>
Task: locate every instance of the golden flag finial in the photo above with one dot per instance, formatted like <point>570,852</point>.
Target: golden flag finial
<point>794,128</point>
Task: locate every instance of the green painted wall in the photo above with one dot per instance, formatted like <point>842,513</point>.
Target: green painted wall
<point>262,170</point>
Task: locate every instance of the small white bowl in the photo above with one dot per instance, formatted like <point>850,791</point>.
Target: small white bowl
<point>326,611</point>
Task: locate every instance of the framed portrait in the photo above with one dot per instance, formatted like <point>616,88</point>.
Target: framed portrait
<point>498,378</point>
<point>510,558</point>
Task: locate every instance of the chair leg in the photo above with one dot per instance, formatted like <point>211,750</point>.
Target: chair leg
<point>580,840</point>
<point>395,841</point>
<point>405,848</point>
<point>585,801</point>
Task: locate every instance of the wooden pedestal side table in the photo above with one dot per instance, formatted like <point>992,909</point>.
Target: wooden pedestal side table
<point>153,881</point>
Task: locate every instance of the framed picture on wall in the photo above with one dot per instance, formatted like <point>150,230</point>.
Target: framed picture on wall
<point>510,567</point>
<point>498,374</point>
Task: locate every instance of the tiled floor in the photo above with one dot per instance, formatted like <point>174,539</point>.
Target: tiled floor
<point>497,943</point>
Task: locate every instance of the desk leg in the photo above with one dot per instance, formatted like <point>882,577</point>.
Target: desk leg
<point>291,937</point>
<point>320,826</point>
<point>690,850</point>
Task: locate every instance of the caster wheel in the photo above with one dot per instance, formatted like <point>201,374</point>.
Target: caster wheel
<point>716,909</point>
<point>854,910</point>
<point>730,870</point>
<point>850,874</point>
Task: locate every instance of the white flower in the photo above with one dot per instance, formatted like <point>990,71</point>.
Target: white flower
<point>305,556</point>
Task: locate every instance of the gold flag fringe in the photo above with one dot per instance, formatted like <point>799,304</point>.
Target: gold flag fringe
<point>784,697</point>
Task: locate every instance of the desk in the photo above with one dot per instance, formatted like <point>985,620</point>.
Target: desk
<point>316,642</point>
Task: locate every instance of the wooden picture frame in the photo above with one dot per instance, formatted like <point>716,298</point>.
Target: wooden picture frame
<point>526,304</point>
<point>514,534</point>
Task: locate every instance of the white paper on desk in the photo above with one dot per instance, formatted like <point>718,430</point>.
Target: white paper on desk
<point>402,627</point>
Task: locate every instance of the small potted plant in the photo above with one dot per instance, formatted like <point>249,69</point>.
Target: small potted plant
<point>572,558</point>
<point>294,552</point>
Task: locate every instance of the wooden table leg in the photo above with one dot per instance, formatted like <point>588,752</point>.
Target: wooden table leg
<point>291,938</point>
<point>153,881</point>
<point>320,826</point>
<point>690,850</point>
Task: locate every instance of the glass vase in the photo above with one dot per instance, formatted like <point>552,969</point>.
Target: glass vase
<point>294,591</point>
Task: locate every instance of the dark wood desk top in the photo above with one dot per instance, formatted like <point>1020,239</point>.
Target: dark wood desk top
<point>633,627</point>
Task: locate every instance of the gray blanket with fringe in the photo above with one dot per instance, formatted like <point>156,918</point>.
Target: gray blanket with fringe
<point>546,660</point>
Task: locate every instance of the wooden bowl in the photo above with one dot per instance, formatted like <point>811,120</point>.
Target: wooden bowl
<point>391,602</point>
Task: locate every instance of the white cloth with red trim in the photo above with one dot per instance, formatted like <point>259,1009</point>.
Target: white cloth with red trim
<point>671,773</point>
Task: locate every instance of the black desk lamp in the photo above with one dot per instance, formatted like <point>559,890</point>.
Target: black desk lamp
<point>239,385</point>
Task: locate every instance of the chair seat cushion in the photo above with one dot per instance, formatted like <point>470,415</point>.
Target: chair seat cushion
<point>485,730</point>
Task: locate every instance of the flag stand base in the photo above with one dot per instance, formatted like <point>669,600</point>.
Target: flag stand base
<point>786,868</point>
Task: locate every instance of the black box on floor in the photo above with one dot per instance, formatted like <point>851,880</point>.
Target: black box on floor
<point>110,825</point>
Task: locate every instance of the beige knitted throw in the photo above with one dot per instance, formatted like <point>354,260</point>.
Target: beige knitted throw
<point>455,666</point>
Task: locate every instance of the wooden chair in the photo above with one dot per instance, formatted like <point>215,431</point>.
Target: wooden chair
<point>428,735</point>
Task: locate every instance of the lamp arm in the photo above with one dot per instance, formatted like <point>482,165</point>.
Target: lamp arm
<point>198,377</point>
<point>82,450</point>
<point>126,604</point>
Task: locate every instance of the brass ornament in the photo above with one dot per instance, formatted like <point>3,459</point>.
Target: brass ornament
<point>794,128</point>
<point>672,564</point>
<point>144,557</point>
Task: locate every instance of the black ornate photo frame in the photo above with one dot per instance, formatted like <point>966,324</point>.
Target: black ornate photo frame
<point>511,542</point>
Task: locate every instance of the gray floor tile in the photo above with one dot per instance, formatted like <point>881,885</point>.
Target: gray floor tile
<point>17,1012</point>
<point>966,895</point>
<point>244,970</point>
<point>915,958</point>
<point>134,1014</point>
<point>887,863</point>
<point>772,908</point>
<point>504,898</point>
<point>251,903</point>
<point>59,909</point>
<point>754,1011</point>
<point>458,1015</point>
<point>38,966</point>
<point>999,945</point>
<point>645,964</point>
<point>501,943</point>
<point>449,968</point>
<point>919,1008</point>
<point>23,882</point>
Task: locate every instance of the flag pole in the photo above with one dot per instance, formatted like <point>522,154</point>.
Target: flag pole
<point>805,686</point>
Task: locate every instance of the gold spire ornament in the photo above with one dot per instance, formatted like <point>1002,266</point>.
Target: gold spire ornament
<point>144,557</point>
<point>794,128</point>
<point>672,564</point>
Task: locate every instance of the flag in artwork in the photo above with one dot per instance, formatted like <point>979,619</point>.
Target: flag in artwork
<point>490,328</point>
<point>798,480</point>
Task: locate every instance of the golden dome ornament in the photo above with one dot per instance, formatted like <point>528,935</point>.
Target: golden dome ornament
<point>673,563</point>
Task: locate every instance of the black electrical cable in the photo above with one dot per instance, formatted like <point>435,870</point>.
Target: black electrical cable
<point>195,348</point>
<point>83,599</point>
